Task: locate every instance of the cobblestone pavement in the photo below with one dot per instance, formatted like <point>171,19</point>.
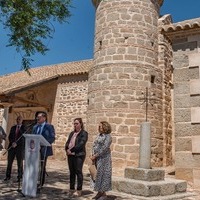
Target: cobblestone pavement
<point>57,184</point>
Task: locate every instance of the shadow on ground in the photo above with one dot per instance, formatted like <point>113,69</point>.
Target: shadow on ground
<point>56,186</point>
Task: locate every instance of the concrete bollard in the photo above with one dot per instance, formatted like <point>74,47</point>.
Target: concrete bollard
<point>145,146</point>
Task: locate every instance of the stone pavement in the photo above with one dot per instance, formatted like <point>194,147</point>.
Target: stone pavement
<point>57,184</point>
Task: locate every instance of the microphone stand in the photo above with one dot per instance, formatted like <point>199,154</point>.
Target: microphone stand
<point>19,178</point>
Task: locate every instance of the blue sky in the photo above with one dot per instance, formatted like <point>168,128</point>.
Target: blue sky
<point>74,41</point>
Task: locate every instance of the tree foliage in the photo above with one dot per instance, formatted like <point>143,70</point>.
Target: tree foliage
<point>29,24</point>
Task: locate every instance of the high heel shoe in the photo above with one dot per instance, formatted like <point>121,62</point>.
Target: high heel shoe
<point>103,197</point>
<point>71,192</point>
<point>78,193</point>
<point>99,195</point>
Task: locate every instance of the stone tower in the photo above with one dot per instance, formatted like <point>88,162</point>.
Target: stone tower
<point>125,64</point>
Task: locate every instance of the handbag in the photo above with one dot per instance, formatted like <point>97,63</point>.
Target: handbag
<point>93,171</point>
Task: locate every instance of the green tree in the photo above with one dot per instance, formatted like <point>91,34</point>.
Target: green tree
<point>29,24</point>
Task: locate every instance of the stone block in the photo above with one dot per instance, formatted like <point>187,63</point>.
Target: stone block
<point>186,129</point>
<point>195,87</point>
<point>181,74</point>
<point>167,189</point>
<point>194,72</point>
<point>180,60</point>
<point>149,189</point>
<point>181,186</point>
<point>196,178</point>
<point>187,161</point>
<point>181,88</point>
<point>195,144</point>
<point>183,144</point>
<point>182,115</point>
<point>195,114</point>
<point>135,187</point>
<point>182,101</point>
<point>195,101</point>
<point>194,59</point>
<point>184,173</point>
<point>144,174</point>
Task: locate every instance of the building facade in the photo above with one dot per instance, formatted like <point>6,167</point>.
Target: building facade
<point>135,51</point>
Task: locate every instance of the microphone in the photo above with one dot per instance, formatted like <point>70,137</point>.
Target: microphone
<point>32,124</point>
<point>29,128</point>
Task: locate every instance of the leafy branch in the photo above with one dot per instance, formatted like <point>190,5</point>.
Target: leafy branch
<point>29,24</point>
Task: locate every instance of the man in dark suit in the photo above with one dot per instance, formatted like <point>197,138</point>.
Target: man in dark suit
<point>16,148</point>
<point>47,131</point>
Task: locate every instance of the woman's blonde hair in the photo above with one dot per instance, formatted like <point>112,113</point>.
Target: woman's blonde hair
<point>106,127</point>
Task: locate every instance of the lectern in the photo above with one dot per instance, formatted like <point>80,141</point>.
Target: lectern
<point>31,165</point>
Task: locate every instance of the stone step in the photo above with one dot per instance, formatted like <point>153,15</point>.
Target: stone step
<point>144,174</point>
<point>149,189</point>
<point>177,196</point>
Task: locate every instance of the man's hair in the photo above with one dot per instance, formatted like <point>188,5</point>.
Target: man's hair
<point>44,114</point>
<point>19,117</point>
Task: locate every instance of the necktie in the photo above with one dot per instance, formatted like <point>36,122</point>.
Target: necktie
<point>17,132</point>
<point>39,129</point>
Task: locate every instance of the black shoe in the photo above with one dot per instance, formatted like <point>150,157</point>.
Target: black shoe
<point>7,179</point>
<point>39,186</point>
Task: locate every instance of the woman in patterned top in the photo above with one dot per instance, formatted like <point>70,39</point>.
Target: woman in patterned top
<point>102,158</point>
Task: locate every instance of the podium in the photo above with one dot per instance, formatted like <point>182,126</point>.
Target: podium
<point>32,163</point>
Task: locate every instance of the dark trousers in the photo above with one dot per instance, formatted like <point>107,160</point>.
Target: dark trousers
<point>12,153</point>
<point>76,170</point>
<point>43,163</point>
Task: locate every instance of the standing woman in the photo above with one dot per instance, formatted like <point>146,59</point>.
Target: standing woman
<point>76,153</point>
<point>102,158</point>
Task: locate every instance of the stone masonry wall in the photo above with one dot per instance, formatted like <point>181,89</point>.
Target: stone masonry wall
<point>71,102</point>
<point>125,61</point>
<point>186,65</point>
<point>164,149</point>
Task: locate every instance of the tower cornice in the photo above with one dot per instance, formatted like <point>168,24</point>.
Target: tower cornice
<point>97,2</point>
<point>160,2</point>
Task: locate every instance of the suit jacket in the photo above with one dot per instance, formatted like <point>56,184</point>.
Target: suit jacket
<point>80,143</point>
<point>20,138</point>
<point>48,133</point>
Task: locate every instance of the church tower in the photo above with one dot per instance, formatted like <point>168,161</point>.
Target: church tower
<point>125,65</point>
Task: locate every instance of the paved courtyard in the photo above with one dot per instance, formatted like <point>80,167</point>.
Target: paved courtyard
<point>57,184</point>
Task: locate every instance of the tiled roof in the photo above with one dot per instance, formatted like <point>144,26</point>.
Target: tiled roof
<point>184,25</point>
<point>18,80</point>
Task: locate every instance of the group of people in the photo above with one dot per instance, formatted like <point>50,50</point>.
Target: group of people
<point>16,146</point>
<point>101,157</point>
<point>75,148</point>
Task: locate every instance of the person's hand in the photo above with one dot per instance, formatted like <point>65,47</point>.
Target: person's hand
<point>93,157</point>
<point>69,152</point>
<point>14,144</point>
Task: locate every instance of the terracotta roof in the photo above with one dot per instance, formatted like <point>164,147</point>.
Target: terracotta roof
<point>15,81</point>
<point>183,25</point>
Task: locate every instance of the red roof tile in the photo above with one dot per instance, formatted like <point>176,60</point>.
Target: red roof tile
<point>18,80</point>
